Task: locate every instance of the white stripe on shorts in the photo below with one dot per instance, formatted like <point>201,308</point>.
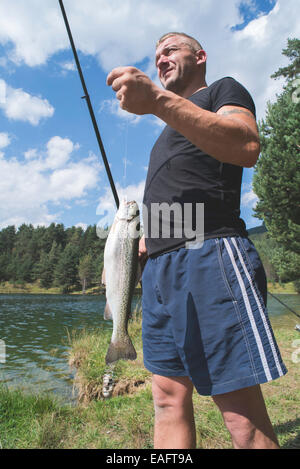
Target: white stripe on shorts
<point>249,312</point>
<point>260,308</point>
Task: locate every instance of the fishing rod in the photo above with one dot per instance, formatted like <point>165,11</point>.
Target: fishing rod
<point>284,305</point>
<point>90,107</point>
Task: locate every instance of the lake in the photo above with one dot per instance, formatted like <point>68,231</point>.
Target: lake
<point>35,330</point>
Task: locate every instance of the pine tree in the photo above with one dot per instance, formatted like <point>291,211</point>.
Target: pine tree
<point>47,264</point>
<point>85,270</point>
<point>4,263</point>
<point>277,176</point>
<point>292,52</point>
<point>66,271</point>
<point>7,239</point>
<point>25,269</point>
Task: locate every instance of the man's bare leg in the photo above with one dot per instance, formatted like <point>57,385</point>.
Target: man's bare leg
<point>174,426</point>
<point>245,416</point>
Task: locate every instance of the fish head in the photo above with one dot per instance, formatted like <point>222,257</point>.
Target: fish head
<point>129,213</point>
<point>128,210</point>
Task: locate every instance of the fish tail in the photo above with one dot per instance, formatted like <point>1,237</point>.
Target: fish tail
<point>120,350</point>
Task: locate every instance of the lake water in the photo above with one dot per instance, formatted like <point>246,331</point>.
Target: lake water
<point>35,330</point>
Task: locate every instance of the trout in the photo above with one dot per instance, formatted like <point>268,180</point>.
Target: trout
<point>120,275</point>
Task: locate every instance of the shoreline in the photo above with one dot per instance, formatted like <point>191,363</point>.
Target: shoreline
<point>7,288</point>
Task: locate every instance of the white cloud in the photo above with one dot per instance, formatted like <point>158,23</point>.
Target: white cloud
<point>28,188</point>
<point>68,66</point>
<point>108,30</point>
<point>31,154</point>
<point>256,51</point>
<point>249,198</point>
<point>4,140</point>
<point>20,105</point>
<point>34,28</point>
<point>59,150</point>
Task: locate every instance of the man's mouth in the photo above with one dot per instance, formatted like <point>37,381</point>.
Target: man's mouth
<point>166,72</point>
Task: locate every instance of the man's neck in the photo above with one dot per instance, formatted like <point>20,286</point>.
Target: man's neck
<point>194,89</point>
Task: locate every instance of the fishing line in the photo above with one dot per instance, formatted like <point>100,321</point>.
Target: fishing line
<point>294,312</point>
<point>125,154</point>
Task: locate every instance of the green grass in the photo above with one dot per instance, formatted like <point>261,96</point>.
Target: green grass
<point>283,288</point>
<point>126,421</point>
<point>35,288</point>
<point>21,287</point>
<point>25,421</point>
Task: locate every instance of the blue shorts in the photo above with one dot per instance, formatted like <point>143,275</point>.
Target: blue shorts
<point>204,316</point>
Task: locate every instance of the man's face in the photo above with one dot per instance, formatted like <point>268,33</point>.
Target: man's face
<point>176,64</point>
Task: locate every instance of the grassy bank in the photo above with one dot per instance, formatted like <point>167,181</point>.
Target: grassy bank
<point>35,288</point>
<point>126,419</point>
<point>282,288</point>
<point>32,288</point>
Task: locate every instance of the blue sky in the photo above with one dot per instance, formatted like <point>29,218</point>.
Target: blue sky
<point>50,165</point>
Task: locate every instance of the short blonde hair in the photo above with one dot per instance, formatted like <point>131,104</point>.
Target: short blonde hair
<point>189,40</point>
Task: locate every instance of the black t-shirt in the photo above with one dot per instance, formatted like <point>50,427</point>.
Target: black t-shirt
<point>181,173</point>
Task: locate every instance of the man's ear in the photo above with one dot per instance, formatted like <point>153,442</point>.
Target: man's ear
<point>201,56</point>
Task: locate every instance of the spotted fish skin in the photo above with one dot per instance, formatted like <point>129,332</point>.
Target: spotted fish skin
<point>121,269</point>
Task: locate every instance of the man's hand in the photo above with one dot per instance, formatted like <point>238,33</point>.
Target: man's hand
<point>135,91</point>
<point>143,255</point>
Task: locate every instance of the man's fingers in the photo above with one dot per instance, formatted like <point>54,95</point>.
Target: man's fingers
<point>117,84</point>
<point>135,91</point>
<point>142,248</point>
<point>116,73</point>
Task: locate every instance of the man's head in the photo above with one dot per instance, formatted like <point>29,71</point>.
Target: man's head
<point>181,63</point>
<point>188,40</point>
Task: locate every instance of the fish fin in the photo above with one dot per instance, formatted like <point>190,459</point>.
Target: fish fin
<point>103,281</point>
<point>107,312</point>
<point>121,350</point>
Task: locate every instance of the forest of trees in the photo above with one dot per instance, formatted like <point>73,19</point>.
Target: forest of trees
<point>70,258</point>
<point>56,256</point>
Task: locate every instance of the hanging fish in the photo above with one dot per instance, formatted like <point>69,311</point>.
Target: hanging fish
<point>120,275</point>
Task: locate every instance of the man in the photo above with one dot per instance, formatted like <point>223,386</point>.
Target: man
<point>204,317</point>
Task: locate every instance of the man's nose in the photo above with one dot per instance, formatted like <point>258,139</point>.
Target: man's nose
<point>162,62</point>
